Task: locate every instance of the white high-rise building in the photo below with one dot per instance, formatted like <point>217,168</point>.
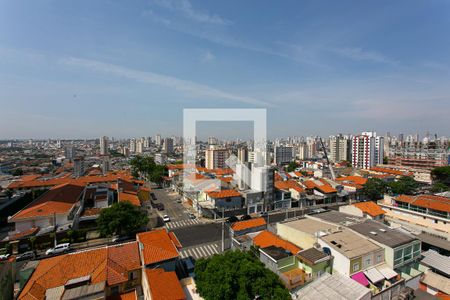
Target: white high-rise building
<point>242,154</point>
<point>139,146</point>
<point>367,150</point>
<point>104,145</point>
<point>340,148</point>
<point>132,145</point>
<point>158,140</point>
<point>302,151</point>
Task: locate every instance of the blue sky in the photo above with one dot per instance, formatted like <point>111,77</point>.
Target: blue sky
<point>129,68</point>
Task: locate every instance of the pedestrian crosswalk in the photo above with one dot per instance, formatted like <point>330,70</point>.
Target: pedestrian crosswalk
<point>201,251</point>
<point>183,223</point>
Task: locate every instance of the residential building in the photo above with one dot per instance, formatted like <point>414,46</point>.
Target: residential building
<point>369,210</point>
<point>139,146</point>
<point>367,150</point>
<point>69,152</point>
<point>78,167</point>
<point>224,199</point>
<point>283,155</point>
<point>242,154</point>
<point>158,284</point>
<point>133,145</point>
<point>160,158</point>
<point>90,274</point>
<point>168,146</point>
<point>104,145</point>
<point>352,253</point>
<point>340,148</point>
<point>215,158</point>
<point>55,208</point>
<point>247,226</point>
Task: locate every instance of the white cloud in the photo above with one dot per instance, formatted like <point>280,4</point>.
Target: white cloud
<point>162,80</point>
<point>184,7</point>
<point>360,54</point>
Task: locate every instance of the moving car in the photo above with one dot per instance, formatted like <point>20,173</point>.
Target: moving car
<point>26,256</point>
<point>245,217</point>
<point>120,238</point>
<point>61,248</point>
<point>166,218</point>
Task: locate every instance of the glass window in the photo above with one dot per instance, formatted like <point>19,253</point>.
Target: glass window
<point>367,262</point>
<point>379,258</point>
<point>355,267</point>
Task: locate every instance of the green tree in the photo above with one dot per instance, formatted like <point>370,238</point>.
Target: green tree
<point>121,218</point>
<point>237,275</point>
<point>145,167</point>
<point>439,187</point>
<point>405,185</point>
<point>441,174</point>
<point>374,188</point>
<point>291,166</point>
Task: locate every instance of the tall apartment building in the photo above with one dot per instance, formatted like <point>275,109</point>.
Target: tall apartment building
<point>215,158</point>
<point>158,140</point>
<point>168,146</point>
<point>259,158</point>
<point>367,150</point>
<point>340,148</point>
<point>283,154</point>
<point>105,164</point>
<point>104,145</point>
<point>78,166</point>
<point>311,144</point>
<point>69,152</point>
<point>132,145</point>
<point>262,179</point>
<point>302,151</point>
<point>139,146</point>
<point>242,154</point>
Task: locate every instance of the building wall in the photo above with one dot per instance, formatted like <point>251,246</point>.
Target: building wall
<point>341,263</point>
<point>302,239</point>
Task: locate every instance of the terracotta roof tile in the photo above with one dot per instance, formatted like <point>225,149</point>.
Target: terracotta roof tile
<point>164,285</point>
<point>157,246</point>
<point>289,184</point>
<point>439,203</point>
<point>370,208</point>
<point>267,238</point>
<point>242,225</point>
<point>353,179</point>
<point>224,194</point>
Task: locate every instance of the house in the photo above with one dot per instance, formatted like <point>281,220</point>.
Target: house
<point>247,226</point>
<point>95,273</point>
<point>319,191</point>
<point>304,232</point>
<point>158,284</point>
<point>436,277</point>
<point>400,248</point>
<point>226,199</point>
<point>334,286</point>
<point>159,249</point>
<point>368,209</point>
<point>314,262</point>
<point>56,207</point>
<point>352,253</point>
<point>288,193</point>
<point>353,185</point>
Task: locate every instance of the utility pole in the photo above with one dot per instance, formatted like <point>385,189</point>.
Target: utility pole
<point>54,227</point>
<point>223,230</point>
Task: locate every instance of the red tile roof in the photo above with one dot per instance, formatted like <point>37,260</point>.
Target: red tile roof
<point>110,264</point>
<point>242,225</point>
<point>289,184</point>
<point>353,179</point>
<point>157,246</point>
<point>320,185</point>
<point>58,200</point>
<point>427,201</point>
<point>164,285</point>
<point>370,208</point>
<point>223,194</point>
<point>391,171</point>
<point>267,239</point>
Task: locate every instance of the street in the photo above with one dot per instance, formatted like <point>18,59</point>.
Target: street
<point>176,211</point>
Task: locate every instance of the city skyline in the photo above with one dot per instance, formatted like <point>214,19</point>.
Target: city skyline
<point>92,69</point>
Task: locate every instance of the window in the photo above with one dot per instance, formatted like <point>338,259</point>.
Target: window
<point>115,290</point>
<point>367,262</point>
<point>379,258</point>
<point>407,253</point>
<point>131,276</point>
<point>355,267</point>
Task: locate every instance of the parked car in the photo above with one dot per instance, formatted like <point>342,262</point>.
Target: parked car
<point>189,266</point>
<point>153,196</point>
<point>166,218</point>
<point>4,256</point>
<point>232,219</point>
<point>179,200</point>
<point>263,214</point>
<point>26,256</point>
<point>61,248</point>
<point>191,216</point>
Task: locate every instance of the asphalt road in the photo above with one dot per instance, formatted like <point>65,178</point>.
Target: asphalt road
<point>176,211</point>
<point>200,234</point>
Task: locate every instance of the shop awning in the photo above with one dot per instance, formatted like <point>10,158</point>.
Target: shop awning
<point>360,278</point>
<point>387,272</point>
<point>374,275</point>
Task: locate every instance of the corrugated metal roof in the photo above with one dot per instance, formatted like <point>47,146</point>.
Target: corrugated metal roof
<point>436,261</point>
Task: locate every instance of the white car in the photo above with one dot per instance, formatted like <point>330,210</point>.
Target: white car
<point>58,249</point>
<point>166,218</point>
<point>4,257</point>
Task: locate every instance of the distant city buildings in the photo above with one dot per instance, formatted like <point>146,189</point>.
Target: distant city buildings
<point>283,154</point>
<point>215,157</point>
<point>104,145</point>
<point>340,148</point>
